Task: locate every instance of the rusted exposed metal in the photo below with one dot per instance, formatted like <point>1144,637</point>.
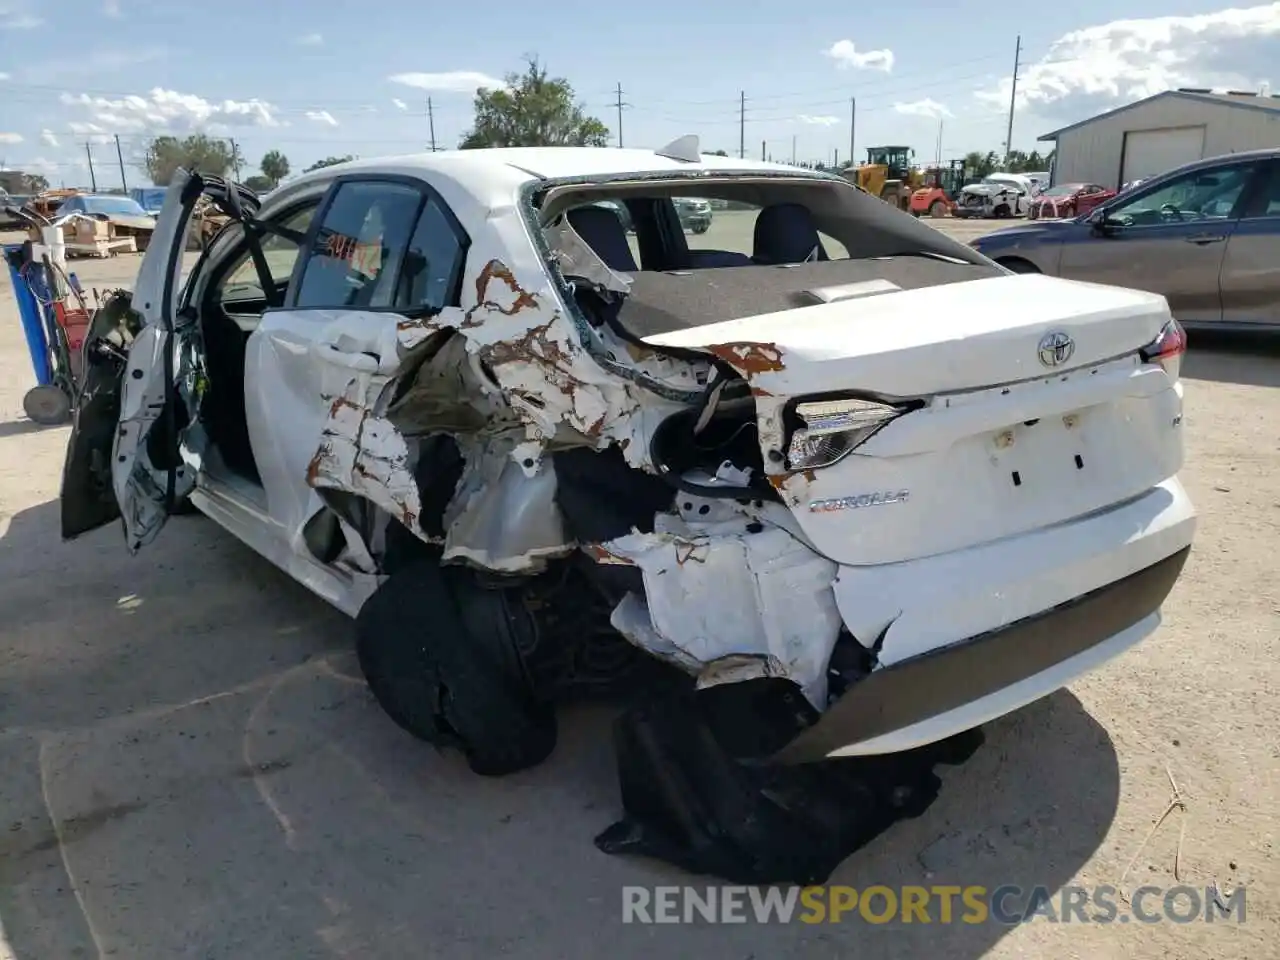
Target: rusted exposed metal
<point>750,359</point>
<point>520,298</point>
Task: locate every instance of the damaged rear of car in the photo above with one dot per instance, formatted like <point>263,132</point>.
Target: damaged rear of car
<point>848,489</point>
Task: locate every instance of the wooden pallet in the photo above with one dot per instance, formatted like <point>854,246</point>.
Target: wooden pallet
<point>103,248</point>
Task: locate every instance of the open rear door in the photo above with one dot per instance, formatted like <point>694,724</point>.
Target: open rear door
<point>136,442</point>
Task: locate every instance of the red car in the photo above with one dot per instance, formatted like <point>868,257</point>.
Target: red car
<point>1068,200</point>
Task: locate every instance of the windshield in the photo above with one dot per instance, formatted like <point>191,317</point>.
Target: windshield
<point>119,206</point>
<point>150,196</point>
<point>1062,190</point>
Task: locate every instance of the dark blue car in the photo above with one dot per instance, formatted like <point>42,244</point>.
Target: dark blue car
<point>1206,236</point>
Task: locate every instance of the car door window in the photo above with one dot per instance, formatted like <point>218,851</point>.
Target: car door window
<point>356,253</point>
<point>384,246</point>
<point>433,263</point>
<point>1267,203</point>
<point>1202,195</point>
<point>243,282</point>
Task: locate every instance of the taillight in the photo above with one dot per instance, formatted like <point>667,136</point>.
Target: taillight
<point>833,429</point>
<point>1167,349</point>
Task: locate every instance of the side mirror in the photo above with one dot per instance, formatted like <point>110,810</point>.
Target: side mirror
<point>1099,223</point>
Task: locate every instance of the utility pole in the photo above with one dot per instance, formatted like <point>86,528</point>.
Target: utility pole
<point>762,143</point>
<point>742,123</point>
<point>235,157</point>
<point>620,104</point>
<point>431,123</point>
<point>1013,96</point>
<point>93,181</point>
<point>939,159</point>
<point>793,149</point>
<point>124,184</point>
<point>853,117</point>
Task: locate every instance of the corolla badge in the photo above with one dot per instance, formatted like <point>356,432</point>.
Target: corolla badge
<point>859,500</point>
<point>1056,348</point>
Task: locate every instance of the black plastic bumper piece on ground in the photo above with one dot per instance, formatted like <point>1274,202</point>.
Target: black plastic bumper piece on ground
<point>691,801</point>
<point>924,686</point>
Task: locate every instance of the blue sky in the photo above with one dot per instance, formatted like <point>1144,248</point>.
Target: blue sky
<point>313,80</point>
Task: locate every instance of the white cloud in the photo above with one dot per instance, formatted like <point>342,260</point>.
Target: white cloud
<point>4,76</point>
<point>170,110</point>
<point>111,8</point>
<point>310,40</point>
<point>48,138</point>
<point>322,116</point>
<point>10,138</point>
<point>818,121</point>
<point>846,55</point>
<point>1094,69</point>
<point>455,81</point>
<point>400,104</point>
<point>23,21</point>
<point>923,108</point>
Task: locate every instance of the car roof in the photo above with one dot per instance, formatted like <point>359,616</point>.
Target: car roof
<point>504,168</point>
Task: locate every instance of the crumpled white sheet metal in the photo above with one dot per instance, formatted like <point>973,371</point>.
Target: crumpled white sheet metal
<point>510,346</point>
<point>717,589</point>
<point>500,518</point>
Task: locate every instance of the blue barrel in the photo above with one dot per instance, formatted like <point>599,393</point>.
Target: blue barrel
<point>32,323</point>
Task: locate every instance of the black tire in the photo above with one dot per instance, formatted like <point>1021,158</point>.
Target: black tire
<point>701,228</point>
<point>937,210</point>
<point>1018,265</point>
<point>444,683</point>
<point>1001,212</point>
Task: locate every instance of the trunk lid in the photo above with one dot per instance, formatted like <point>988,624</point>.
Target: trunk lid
<point>931,340</point>
<point>1030,406</point>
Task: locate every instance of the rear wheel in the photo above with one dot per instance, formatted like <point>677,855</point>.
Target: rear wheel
<point>937,209</point>
<point>441,655</point>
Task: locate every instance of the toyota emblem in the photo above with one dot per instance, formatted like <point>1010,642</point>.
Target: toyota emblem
<point>1056,348</point>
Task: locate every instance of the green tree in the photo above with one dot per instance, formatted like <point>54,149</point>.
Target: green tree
<point>715,153</point>
<point>258,183</point>
<point>164,155</point>
<point>37,183</point>
<point>533,110</point>
<point>274,166</point>
<point>328,162</point>
<point>980,164</point>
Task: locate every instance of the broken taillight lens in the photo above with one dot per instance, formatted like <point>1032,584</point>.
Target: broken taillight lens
<point>833,429</point>
<point>1167,349</point>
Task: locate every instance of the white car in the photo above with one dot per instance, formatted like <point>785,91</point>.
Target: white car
<point>998,196</point>
<point>852,458</point>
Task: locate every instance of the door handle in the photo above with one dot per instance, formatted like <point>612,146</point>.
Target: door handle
<point>1205,238</point>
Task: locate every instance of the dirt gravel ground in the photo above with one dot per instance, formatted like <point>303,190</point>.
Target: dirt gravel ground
<point>192,768</point>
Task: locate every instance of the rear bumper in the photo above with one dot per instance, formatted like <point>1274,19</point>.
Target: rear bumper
<point>973,635</point>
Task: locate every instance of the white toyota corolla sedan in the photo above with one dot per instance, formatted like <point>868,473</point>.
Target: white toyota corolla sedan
<point>821,447</point>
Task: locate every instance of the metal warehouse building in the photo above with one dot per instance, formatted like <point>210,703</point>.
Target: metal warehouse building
<point>1161,132</point>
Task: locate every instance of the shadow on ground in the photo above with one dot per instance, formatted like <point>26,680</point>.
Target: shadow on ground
<point>1249,359</point>
<point>17,428</point>
<point>194,769</point>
